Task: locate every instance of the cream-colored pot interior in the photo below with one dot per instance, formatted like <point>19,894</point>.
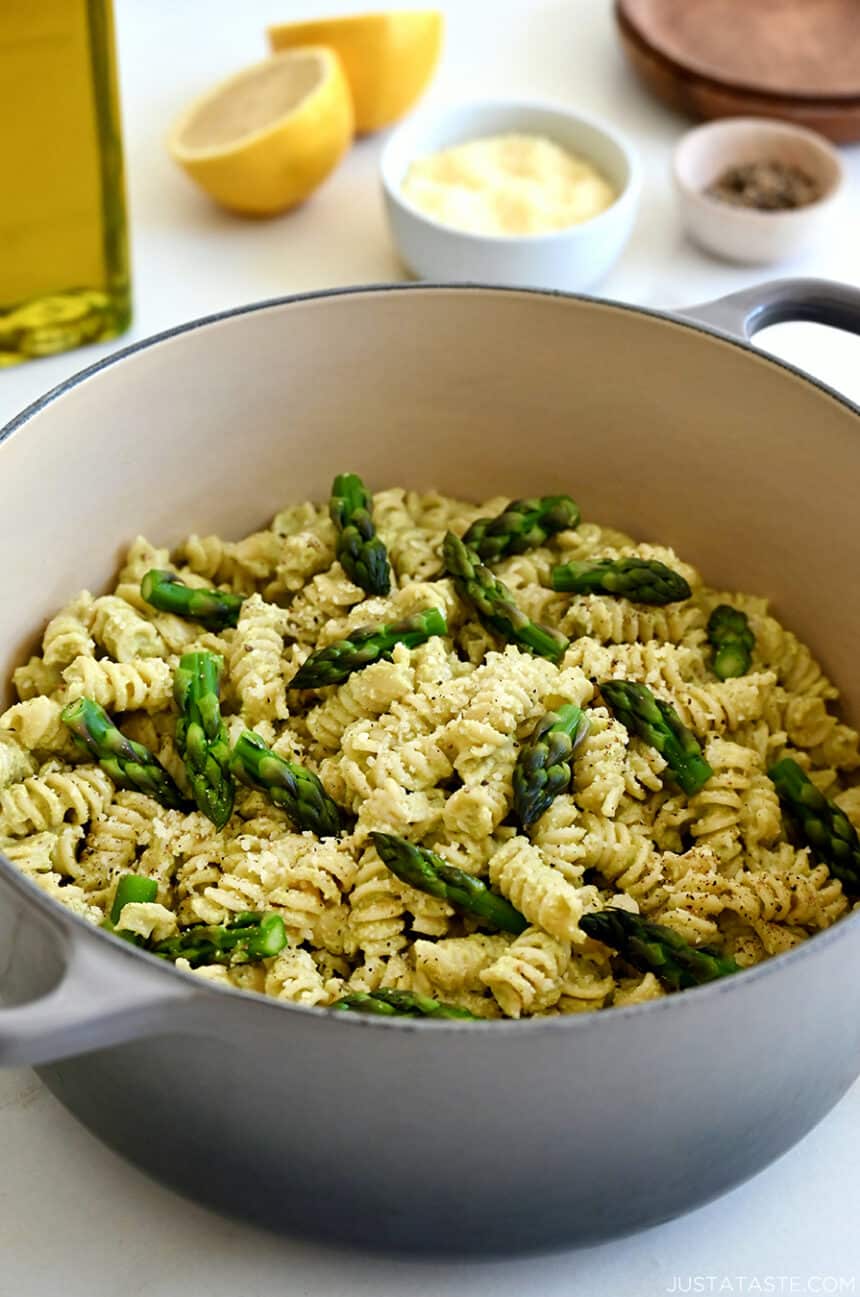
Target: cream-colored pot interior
<point>750,471</point>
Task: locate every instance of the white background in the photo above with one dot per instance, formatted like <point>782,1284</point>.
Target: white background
<point>73,1218</point>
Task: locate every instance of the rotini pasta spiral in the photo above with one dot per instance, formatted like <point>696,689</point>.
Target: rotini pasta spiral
<point>122,632</point>
<point>302,556</point>
<point>142,684</point>
<point>528,976</point>
<point>413,547</point>
<point>715,812</point>
<point>333,935</point>
<point>45,800</point>
<point>395,972</point>
<point>396,809</point>
<point>617,621</point>
<point>590,540</point>
<point>37,725</point>
<point>456,963</point>
<point>178,635</point>
<point>477,809</point>
<point>52,850</point>
<point>331,965</point>
<point>505,692</point>
<point>813,900</point>
<point>559,833</point>
<point>795,667</point>
<point>662,666</point>
<point>626,859</point>
<point>36,677</point>
<point>256,670</point>
<point>429,916</point>
<point>599,768</point>
<point>586,985</point>
<point>694,928</point>
<point>716,708</point>
<point>318,614</point>
<point>365,694</point>
<point>48,859</point>
<point>141,556</point>
<point>469,854</point>
<point>295,875</point>
<point>643,770</point>
<point>304,516</point>
<point>638,991</point>
<point>376,908</point>
<point>15,762</point>
<point>761,817</point>
<point>524,573</point>
<point>67,635</point>
<point>293,975</point>
<point>544,896</point>
<point>118,835</point>
<point>239,565</point>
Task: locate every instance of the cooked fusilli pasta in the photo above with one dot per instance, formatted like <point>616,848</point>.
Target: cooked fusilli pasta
<point>122,632</point>
<point>256,661</point>
<point>528,976</point>
<point>141,684</point>
<point>424,744</point>
<point>67,635</point>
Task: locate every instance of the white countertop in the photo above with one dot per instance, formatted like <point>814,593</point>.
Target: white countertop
<point>73,1217</point>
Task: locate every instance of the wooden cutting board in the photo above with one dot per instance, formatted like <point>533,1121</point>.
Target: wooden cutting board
<point>795,59</point>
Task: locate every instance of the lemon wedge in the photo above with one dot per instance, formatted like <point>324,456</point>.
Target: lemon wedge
<point>388,57</point>
<point>262,141</point>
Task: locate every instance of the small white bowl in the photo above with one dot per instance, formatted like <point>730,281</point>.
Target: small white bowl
<point>573,258</point>
<point>748,234</point>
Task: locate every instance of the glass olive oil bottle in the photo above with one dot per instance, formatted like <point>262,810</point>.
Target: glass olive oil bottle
<point>63,252</point>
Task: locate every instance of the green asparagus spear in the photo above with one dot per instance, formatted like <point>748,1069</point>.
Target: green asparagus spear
<point>543,766</point>
<point>429,873</point>
<point>201,735</point>
<point>643,580</point>
<point>131,888</point>
<point>494,602</point>
<point>733,641</point>
<point>523,525</point>
<point>400,1004</point>
<point>658,724</point>
<point>827,829</point>
<point>369,644</point>
<point>129,764</point>
<point>361,553</point>
<point>653,948</point>
<point>168,592</point>
<point>248,938</point>
<point>295,789</point>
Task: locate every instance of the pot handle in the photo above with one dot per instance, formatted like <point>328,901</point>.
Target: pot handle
<point>819,301</point>
<point>100,993</point>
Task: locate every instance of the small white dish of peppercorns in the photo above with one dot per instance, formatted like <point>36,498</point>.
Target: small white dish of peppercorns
<point>756,190</point>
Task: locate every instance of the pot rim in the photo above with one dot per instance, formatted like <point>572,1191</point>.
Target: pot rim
<point>676,317</point>
<point>75,924</point>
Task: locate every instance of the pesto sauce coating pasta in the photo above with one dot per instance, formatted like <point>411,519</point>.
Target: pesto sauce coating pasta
<point>424,746</point>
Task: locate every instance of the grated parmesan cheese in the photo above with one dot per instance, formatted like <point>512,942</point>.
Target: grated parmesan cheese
<point>507,185</point>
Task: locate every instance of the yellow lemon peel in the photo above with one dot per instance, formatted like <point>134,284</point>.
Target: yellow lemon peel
<point>388,58</point>
<point>264,140</point>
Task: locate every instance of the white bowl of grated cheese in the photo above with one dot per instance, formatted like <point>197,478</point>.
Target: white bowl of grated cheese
<point>519,193</point>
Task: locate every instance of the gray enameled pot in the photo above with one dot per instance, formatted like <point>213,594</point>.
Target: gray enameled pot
<point>442,1136</point>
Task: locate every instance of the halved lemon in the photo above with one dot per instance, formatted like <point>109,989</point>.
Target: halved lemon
<point>263,141</point>
<point>388,57</point>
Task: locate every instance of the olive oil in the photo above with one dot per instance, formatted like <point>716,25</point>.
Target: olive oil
<point>63,251</point>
